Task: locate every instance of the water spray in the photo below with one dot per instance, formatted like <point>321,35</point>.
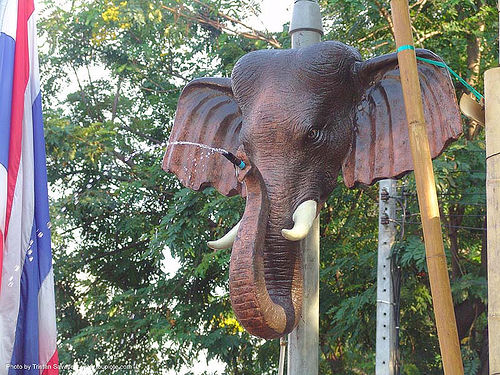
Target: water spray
<point>228,155</point>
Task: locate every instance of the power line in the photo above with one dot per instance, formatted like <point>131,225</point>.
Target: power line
<point>448,226</point>
<point>452,215</point>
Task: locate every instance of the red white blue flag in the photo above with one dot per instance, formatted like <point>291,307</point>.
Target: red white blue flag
<point>27,305</point>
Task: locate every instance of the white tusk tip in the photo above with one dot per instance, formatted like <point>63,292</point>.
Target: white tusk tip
<point>303,218</point>
<point>213,245</point>
<point>292,235</point>
<point>225,242</point>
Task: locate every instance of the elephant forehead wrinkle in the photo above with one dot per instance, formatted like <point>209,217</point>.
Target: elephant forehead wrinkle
<point>274,99</point>
<point>257,70</point>
<point>316,80</point>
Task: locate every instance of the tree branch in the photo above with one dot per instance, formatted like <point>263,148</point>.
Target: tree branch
<point>124,159</point>
<point>137,132</point>
<point>385,14</point>
<point>373,33</point>
<point>424,37</point>
<point>124,248</point>
<point>254,34</point>
<point>92,89</point>
<point>271,40</point>
<point>115,100</point>
<point>420,5</point>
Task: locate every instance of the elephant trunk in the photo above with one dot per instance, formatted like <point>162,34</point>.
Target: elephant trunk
<point>265,274</point>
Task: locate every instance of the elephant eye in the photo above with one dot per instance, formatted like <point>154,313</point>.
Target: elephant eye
<point>313,134</point>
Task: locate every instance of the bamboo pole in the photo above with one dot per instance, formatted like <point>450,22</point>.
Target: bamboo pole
<point>303,343</point>
<point>426,190</point>
<point>492,128</point>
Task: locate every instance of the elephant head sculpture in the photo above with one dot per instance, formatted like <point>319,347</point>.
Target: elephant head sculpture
<point>296,118</point>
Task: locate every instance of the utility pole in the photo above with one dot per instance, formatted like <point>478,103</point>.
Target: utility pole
<point>385,358</point>
<point>303,343</point>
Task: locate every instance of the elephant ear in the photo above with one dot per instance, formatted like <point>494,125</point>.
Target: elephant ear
<point>381,146</point>
<point>207,115</point>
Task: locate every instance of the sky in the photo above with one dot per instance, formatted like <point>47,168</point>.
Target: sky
<point>274,14</point>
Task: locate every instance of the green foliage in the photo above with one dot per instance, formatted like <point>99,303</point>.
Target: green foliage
<point>135,281</point>
<point>411,252</point>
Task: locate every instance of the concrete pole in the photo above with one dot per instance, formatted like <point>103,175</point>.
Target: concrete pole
<point>385,358</point>
<point>303,342</point>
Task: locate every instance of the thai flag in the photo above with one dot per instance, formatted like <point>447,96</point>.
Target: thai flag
<point>27,305</point>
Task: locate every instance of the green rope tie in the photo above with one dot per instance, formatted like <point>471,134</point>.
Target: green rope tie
<point>405,47</point>
<point>443,65</point>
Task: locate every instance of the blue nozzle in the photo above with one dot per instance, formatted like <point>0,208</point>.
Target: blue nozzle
<point>233,159</point>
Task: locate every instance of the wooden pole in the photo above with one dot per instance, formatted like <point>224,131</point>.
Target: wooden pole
<point>385,357</point>
<point>303,342</point>
<point>426,190</point>
<point>492,133</point>
<point>492,129</point>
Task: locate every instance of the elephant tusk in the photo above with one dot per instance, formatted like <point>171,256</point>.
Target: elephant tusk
<point>303,218</point>
<point>225,242</point>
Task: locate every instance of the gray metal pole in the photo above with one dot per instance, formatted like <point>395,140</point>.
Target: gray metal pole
<point>303,342</point>
<point>306,27</point>
<point>385,358</point>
